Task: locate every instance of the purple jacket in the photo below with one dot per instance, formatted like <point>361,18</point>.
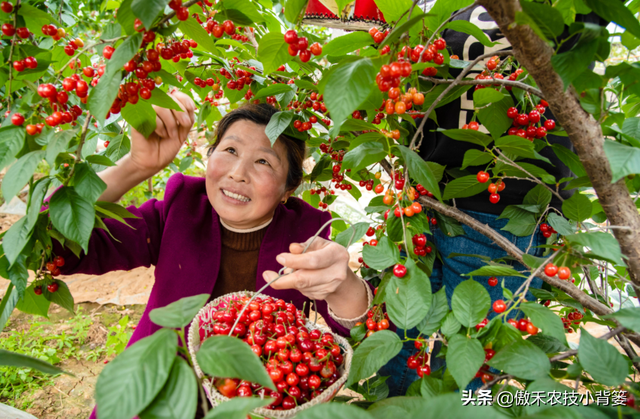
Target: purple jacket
<point>181,237</point>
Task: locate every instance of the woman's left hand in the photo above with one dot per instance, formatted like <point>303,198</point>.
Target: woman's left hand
<point>318,273</point>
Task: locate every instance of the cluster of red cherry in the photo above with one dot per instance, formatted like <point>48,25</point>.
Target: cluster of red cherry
<point>218,30</point>
<point>242,78</point>
<point>547,230</point>
<point>493,188</point>
<point>300,46</point>
<point>174,50</point>
<point>60,98</point>
<point>420,245</point>
<point>53,267</point>
<point>29,62</point>
<point>301,362</point>
<point>337,177</point>
<point>483,372</point>
<point>390,75</point>
<point>527,125</point>
<point>552,270</point>
<point>418,361</point>
<point>573,318</point>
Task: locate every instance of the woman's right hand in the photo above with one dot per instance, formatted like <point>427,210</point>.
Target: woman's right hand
<point>150,155</point>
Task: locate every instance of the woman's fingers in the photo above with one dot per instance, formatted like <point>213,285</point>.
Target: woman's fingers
<point>318,256</point>
<point>169,121</point>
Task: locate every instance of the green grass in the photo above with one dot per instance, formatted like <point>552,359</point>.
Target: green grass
<point>45,340</point>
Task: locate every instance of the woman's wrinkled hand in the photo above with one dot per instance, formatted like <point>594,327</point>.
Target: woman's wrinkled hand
<point>172,129</point>
<point>318,273</point>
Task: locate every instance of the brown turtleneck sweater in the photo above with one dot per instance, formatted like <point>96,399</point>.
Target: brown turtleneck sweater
<point>239,265</point>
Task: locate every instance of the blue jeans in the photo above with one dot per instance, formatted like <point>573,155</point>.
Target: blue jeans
<point>449,274</point>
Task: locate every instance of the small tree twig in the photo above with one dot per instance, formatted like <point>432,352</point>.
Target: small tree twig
<point>13,42</point>
<point>533,178</point>
<point>488,82</point>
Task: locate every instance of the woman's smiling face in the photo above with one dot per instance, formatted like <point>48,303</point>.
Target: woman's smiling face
<point>246,177</point>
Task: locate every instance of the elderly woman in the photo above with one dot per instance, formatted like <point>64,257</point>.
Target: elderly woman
<point>230,231</point>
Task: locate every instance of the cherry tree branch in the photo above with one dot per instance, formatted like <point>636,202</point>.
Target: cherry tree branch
<point>13,42</point>
<point>458,79</point>
<point>583,130</point>
<point>168,17</point>
<point>533,178</point>
<point>488,82</point>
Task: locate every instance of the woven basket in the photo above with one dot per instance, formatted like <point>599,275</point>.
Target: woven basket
<point>195,340</point>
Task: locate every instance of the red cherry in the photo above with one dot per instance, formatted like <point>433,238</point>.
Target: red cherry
<point>493,281</point>
<point>6,7</point>
<point>305,55</point>
<point>474,125</point>
<point>175,4</point>
<point>482,177</point>
<point>31,62</point>
<point>499,306</point>
<point>550,269</point>
<point>316,49</point>
<point>18,66</point>
<point>23,33</point>
<point>37,290</point>
<point>440,44</point>
<point>512,112</point>
<point>17,119</point>
<point>549,124</point>
<point>107,52</point>
<point>564,272</point>
<point>488,354</point>
<point>494,198</point>
<point>423,370</point>
<point>182,13</point>
<point>534,116</point>
<point>8,29</point>
<point>399,270</point>
<point>53,287</point>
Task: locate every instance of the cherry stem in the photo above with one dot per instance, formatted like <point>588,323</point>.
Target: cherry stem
<point>281,274</point>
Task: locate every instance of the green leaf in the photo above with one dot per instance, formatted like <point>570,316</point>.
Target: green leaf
<point>100,160</point>
<point>333,410</point>
<point>515,145</point>
<point>570,159</point>
<point>438,310</point>
<point>72,215</point>
<point>344,44</point>
<point>125,17</point>
<point>374,352</point>
<point>420,171</point>
<point>392,10</point>
<point>277,125</point>
<point>571,64</point>
<point>381,256</point>
<point>178,398</point>
<point>465,356</point>
<point>61,297</point>
<point>148,10</point>
<point>560,224</point>
<point>615,12</point>
<point>623,159</point>
<point>358,125</point>
<point>141,116</point>
<point>469,136</point>
<point>539,195</point>
<point>469,28</point>
<point>16,239</point>
<point>11,141</point>
<point>272,52</point>
<point>344,238</point>
<point>628,317</point>
<point>35,18</point>
<point>547,18</point>
<point>130,382</point>
<point>20,172</point>
<point>12,359</point>
<point>450,325</point>
<point>463,187</point>
<point>603,245</point>
<point>408,299</point>
<point>236,408</point>
<point>102,96</point>
<point>348,86</point>
<point>118,148</point>
<point>33,304</point>
<point>545,319</point>
<point>522,359</point>
<point>245,7</point>
<point>125,52</point>
<point>363,155</point>
<point>163,100</point>
<point>601,360</point>
<point>195,31</point>
<point>400,29</point>
<point>493,270</point>
<point>293,9</point>
<point>179,313</point>
<point>577,208</point>
<point>485,96</point>
<point>494,117</point>
<point>8,303</point>
<point>225,356</point>
<point>475,157</point>
<point>58,143</point>
<point>521,223</point>
<point>548,344</point>
<point>86,183</point>
<point>273,90</point>
<point>470,303</point>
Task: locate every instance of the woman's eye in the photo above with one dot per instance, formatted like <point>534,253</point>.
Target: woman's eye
<point>230,149</point>
<point>263,161</point>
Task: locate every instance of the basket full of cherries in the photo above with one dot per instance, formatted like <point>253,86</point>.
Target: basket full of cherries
<point>307,362</point>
